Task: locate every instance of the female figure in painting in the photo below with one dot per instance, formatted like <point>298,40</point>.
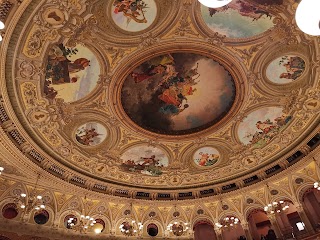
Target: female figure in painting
<point>158,65</point>
<point>295,67</point>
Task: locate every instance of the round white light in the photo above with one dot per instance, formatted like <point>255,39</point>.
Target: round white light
<point>308,17</point>
<point>1,25</point>
<point>214,3</point>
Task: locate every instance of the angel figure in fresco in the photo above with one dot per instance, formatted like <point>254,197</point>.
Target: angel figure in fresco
<point>268,129</point>
<point>294,67</point>
<point>86,136</point>
<point>158,65</point>
<point>176,89</point>
<point>131,9</point>
<point>207,159</point>
<point>245,9</point>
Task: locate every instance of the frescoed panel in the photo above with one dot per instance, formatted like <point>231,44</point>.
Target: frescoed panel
<point>134,15</point>
<point>91,134</point>
<point>238,19</point>
<point>71,73</point>
<point>285,69</point>
<point>206,157</point>
<point>261,126</point>
<point>145,160</point>
<point>178,93</point>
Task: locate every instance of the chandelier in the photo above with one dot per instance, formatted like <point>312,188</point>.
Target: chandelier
<point>33,201</point>
<point>1,170</point>
<point>130,227</point>
<point>178,227</point>
<point>228,222</point>
<point>84,224</point>
<point>316,185</point>
<point>276,207</point>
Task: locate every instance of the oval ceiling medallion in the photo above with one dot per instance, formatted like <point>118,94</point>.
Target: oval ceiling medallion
<point>71,73</point>
<point>178,93</point>
<point>134,16</point>
<point>238,19</point>
<point>206,157</point>
<point>91,134</point>
<point>262,125</point>
<point>145,160</point>
<point>285,69</point>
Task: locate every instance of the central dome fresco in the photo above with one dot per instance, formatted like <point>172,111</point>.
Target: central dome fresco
<point>178,93</point>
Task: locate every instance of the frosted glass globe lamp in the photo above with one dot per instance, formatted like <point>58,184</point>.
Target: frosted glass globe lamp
<point>308,17</point>
<point>214,3</point>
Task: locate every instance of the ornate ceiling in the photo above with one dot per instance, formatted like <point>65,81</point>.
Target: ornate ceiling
<point>160,99</point>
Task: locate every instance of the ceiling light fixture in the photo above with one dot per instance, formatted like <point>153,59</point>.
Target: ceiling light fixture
<point>214,3</point>
<point>276,207</point>
<point>85,222</point>
<point>228,222</point>
<point>132,228</point>
<point>1,170</point>
<point>27,203</point>
<point>178,227</point>
<point>308,17</point>
<point>316,184</point>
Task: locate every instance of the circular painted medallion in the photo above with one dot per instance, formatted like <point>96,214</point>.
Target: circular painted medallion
<point>285,69</point>
<point>145,160</point>
<point>206,157</point>
<point>71,73</point>
<point>178,93</point>
<point>239,19</point>
<point>262,125</point>
<point>134,15</point>
<point>91,134</point>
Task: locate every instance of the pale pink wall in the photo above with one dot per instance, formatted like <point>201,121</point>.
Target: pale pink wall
<point>204,232</point>
<point>312,207</point>
<point>232,233</point>
<point>255,218</point>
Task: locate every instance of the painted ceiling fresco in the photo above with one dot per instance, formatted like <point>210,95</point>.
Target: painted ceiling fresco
<point>134,16</point>
<point>161,93</point>
<point>178,93</point>
<point>239,19</point>
<point>71,73</point>
<point>285,69</point>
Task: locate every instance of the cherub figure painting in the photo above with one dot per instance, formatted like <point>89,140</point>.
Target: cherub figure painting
<point>90,134</point>
<point>134,15</point>
<point>206,156</point>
